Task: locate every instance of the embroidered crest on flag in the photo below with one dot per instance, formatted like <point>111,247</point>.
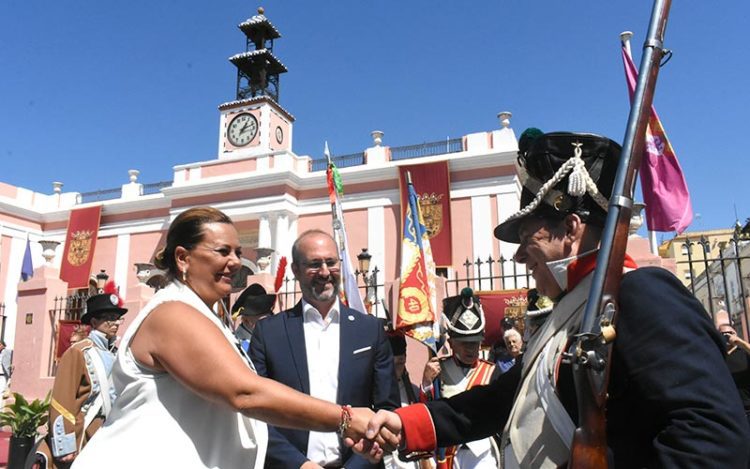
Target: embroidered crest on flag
<point>80,247</point>
<point>432,213</point>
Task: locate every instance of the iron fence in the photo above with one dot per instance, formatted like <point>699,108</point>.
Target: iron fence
<point>68,308</point>
<point>155,187</point>
<point>115,193</point>
<point>722,278</point>
<point>479,275</point>
<point>343,161</point>
<point>101,194</point>
<point>452,145</point>
<point>368,285</point>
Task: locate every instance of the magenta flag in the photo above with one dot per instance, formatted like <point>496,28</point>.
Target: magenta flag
<point>665,191</point>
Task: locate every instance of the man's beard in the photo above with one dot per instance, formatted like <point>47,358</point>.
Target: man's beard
<point>325,294</point>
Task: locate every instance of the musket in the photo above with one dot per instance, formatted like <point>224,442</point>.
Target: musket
<point>591,352</point>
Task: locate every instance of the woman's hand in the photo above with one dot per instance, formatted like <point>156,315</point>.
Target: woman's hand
<point>383,434</point>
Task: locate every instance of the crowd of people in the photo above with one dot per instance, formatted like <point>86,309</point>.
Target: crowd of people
<point>321,385</point>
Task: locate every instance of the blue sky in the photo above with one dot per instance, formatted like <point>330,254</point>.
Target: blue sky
<point>90,89</point>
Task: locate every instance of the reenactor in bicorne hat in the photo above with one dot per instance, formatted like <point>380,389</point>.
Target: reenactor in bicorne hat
<point>460,371</point>
<point>670,400</point>
<point>252,305</point>
<point>83,393</point>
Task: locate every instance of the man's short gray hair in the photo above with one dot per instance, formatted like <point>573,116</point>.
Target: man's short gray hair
<point>511,332</point>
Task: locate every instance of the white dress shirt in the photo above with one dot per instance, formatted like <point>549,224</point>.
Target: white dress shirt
<point>322,347</point>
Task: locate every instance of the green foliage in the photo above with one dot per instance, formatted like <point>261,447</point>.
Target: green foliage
<point>24,417</point>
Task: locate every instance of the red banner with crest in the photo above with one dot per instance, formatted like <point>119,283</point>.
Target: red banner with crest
<point>68,333</point>
<point>80,241</point>
<point>498,305</point>
<point>432,183</point>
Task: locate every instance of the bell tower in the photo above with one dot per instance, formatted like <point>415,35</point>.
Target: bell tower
<point>255,123</point>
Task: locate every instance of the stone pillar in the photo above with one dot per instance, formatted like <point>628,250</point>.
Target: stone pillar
<point>504,139</point>
<point>264,232</point>
<point>281,243</point>
<point>133,189</point>
<point>33,354</point>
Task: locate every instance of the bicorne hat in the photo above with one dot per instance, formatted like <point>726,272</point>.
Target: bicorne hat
<point>254,301</point>
<point>106,302</point>
<point>563,173</point>
<point>465,317</point>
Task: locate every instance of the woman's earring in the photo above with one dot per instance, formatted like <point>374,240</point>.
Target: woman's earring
<point>184,276</point>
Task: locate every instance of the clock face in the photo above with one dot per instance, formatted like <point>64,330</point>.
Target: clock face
<point>242,129</point>
<point>279,135</point>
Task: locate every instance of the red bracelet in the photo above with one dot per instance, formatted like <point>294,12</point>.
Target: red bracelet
<point>346,419</point>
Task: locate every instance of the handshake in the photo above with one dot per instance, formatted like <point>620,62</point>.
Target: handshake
<point>373,434</point>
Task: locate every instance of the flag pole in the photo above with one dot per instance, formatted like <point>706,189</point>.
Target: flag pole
<point>349,288</point>
<point>625,38</point>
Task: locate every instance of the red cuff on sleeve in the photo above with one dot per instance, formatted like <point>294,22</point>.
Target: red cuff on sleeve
<point>418,428</point>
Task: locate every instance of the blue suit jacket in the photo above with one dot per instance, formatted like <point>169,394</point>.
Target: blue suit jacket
<point>365,379</point>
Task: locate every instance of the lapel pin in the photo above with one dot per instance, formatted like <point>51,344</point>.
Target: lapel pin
<point>351,318</point>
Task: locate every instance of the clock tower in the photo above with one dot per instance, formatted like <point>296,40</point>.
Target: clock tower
<point>254,123</point>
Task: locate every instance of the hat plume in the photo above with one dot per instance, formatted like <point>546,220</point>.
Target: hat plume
<point>111,289</point>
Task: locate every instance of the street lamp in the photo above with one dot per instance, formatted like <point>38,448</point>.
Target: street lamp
<point>101,280</point>
<point>369,279</point>
<point>364,261</point>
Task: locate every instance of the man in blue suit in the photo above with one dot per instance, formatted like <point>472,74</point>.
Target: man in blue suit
<point>324,349</point>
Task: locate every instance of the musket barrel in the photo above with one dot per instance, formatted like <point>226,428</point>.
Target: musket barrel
<point>591,355</point>
<point>627,170</point>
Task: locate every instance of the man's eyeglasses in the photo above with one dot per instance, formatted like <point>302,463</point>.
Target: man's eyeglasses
<point>333,265</point>
<point>111,317</point>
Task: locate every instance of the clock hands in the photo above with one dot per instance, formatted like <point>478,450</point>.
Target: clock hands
<point>242,130</point>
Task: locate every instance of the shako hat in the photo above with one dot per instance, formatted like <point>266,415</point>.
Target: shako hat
<point>562,173</point>
<point>465,316</point>
<point>106,302</point>
<point>254,301</point>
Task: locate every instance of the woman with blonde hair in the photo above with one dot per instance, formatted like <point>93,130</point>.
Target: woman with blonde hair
<point>188,396</point>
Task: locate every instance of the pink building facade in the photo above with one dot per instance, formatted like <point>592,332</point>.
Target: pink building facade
<point>270,192</point>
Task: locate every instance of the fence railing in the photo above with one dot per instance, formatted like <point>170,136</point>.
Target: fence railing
<point>479,275</point>
<point>115,193</point>
<point>452,145</point>
<point>68,308</point>
<point>717,276</point>
<point>343,161</point>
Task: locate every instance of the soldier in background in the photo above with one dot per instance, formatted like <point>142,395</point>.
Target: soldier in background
<point>461,371</point>
<point>83,393</point>
<point>252,305</point>
<point>6,370</point>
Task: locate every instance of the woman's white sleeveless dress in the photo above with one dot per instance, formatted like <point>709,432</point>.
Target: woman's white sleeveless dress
<point>158,422</point>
